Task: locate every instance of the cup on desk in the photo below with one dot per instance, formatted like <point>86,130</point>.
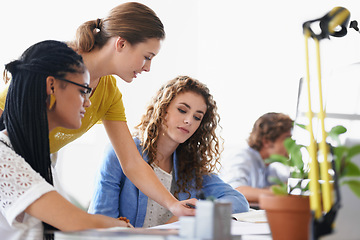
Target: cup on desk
<point>187,227</point>
<point>213,220</point>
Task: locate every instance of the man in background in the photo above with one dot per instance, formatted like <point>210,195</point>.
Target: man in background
<point>246,170</point>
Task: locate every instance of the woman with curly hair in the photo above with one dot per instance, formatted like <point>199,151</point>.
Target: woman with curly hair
<point>177,137</point>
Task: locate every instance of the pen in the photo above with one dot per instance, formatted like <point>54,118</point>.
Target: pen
<point>190,205</point>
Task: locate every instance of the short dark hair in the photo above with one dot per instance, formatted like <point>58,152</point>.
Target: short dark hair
<point>269,126</point>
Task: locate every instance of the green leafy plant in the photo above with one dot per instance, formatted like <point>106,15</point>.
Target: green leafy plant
<point>296,165</point>
<point>348,172</point>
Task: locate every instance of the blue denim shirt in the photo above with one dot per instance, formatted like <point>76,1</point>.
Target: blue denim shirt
<point>115,195</point>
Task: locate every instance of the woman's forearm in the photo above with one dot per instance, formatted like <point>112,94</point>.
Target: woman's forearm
<point>55,210</point>
<point>134,167</point>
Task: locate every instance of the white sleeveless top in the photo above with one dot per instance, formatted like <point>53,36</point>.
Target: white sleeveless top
<point>155,213</point>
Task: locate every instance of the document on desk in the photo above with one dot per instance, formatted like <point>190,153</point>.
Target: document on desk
<point>237,227</point>
<point>254,216</point>
<point>249,228</point>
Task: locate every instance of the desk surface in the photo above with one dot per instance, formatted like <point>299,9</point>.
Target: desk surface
<point>118,233</point>
<point>239,230</point>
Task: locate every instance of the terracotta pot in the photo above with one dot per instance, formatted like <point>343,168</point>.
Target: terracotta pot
<point>288,216</point>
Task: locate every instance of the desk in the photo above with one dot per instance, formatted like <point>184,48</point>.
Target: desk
<point>118,233</point>
<point>240,231</point>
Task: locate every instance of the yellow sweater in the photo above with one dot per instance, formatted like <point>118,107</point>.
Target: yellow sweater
<point>106,103</point>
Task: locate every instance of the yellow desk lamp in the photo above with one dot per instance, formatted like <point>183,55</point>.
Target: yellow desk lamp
<point>321,202</point>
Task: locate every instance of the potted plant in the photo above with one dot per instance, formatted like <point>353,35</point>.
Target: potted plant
<point>289,208</point>
<point>288,215</point>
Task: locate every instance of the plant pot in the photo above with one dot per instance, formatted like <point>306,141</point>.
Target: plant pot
<point>288,216</point>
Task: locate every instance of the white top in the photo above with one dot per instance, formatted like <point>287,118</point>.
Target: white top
<point>155,213</point>
<point>20,186</point>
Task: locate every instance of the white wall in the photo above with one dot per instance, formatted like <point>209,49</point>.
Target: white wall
<point>249,53</point>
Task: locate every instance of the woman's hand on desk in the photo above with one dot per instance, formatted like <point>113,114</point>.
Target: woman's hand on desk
<point>126,222</point>
<point>179,208</point>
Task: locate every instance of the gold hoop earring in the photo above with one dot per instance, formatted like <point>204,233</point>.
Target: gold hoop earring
<point>51,101</point>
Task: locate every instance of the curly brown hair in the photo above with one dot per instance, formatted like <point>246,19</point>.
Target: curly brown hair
<point>269,126</point>
<point>199,154</point>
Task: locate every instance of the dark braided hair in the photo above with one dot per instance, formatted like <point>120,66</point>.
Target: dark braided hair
<point>25,112</point>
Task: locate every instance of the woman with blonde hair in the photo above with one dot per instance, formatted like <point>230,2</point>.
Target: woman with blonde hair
<point>123,44</point>
<point>177,138</point>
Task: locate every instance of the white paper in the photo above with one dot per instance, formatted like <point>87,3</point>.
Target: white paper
<point>237,227</point>
<point>255,216</point>
<point>248,228</point>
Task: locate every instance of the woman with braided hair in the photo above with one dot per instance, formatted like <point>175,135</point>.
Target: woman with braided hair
<point>177,138</point>
<point>123,44</point>
<point>49,88</point>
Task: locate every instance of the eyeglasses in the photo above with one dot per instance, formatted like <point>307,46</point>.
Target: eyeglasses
<point>85,93</point>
